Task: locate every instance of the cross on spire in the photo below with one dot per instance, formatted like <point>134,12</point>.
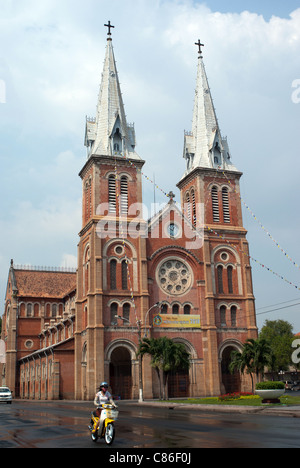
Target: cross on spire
<point>199,45</point>
<point>109,26</point>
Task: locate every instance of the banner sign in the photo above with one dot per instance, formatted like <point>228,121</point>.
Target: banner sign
<point>176,321</point>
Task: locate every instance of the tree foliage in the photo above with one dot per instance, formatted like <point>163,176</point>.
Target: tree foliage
<point>166,356</point>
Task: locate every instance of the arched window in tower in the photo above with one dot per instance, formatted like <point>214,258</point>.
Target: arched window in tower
<point>229,279</point>
<point>194,217</point>
<point>225,201</point>
<point>175,309</point>
<point>233,316</point>
<point>124,275</point>
<point>124,195</point>
<point>187,310</point>
<point>223,316</point>
<point>215,204</point>
<point>112,194</point>
<point>113,313</point>
<point>117,139</point>
<point>126,313</point>
<point>188,206</point>
<point>113,274</point>
<point>220,279</point>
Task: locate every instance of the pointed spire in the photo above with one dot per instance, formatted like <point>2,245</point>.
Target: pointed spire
<point>109,134</point>
<point>204,146</point>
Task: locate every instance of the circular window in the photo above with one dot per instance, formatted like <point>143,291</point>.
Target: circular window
<point>224,256</point>
<point>119,250</point>
<point>28,344</point>
<point>174,277</point>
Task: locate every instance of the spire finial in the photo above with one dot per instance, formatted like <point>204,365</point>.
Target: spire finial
<point>199,45</point>
<point>109,26</point>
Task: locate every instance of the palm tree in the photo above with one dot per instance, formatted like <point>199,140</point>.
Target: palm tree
<point>255,355</point>
<point>166,356</point>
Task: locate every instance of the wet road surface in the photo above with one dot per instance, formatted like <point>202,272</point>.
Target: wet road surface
<point>64,425</point>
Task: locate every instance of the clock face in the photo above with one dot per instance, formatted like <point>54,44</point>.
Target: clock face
<point>174,277</point>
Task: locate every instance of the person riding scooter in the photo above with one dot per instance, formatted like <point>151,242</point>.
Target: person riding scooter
<point>101,398</point>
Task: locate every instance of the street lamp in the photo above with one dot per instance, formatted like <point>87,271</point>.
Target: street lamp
<point>155,305</point>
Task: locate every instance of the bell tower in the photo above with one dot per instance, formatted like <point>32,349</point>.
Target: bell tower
<point>212,181</point>
<point>110,261</point>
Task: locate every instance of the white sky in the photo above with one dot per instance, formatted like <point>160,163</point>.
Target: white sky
<point>51,60</point>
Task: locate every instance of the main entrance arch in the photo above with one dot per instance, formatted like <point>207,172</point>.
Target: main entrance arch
<point>230,383</point>
<point>121,360</point>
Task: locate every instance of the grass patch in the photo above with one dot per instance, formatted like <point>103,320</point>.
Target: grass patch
<point>286,400</point>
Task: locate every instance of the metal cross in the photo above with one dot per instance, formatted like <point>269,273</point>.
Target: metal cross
<point>199,45</point>
<point>109,26</point>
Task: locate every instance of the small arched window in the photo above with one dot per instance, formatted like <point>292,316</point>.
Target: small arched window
<point>113,274</point>
<point>229,279</point>
<point>225,201</point>
<point>188,206</point>
<point>233,316</point>
<point>223,316</point>
<point>124,195</point>
<point>164,308</point>
<point>112,194</point>
<point>126,313</point>
<point>187,310</point>
<point>175,309</point>
<point>194,217</point>
<point>220,279</point>
<point>124,275</point>
<point>215,204</point>
<point>113,313</point>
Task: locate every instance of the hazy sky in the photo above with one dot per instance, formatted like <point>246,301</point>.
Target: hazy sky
<point>51,60</point>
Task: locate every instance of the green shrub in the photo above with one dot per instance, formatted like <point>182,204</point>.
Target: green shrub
<point>270,385</point>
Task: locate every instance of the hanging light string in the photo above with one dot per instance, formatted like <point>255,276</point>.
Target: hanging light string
<point>262,265</point>
<point>260,224</point>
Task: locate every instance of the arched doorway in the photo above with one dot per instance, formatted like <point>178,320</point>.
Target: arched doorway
<point>231,382</point>
<point>178,384</point>
<point>120,373</point>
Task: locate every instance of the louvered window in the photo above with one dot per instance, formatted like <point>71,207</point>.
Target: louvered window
<point>112,194</point>
<point>124,195</point>
<point>188,205</point>
<point>194,219</point>
<point>126,313</point>
<point>225,199</point>
<point>215,204</point>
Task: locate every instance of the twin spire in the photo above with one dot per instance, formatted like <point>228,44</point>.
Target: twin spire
<point>109,134</point>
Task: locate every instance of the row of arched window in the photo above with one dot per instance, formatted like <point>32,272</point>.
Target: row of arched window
<point>228,319</point>
<point>114,274</point>
<point>176,309</point>
<point>225,279</point>
<point>216,204</point>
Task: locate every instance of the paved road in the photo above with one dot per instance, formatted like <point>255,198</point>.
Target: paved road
<point>64,425</point>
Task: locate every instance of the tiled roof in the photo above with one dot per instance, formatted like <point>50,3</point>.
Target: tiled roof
<point>46,284</point>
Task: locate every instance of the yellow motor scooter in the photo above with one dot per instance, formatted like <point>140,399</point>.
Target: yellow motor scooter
<point>106,429</point>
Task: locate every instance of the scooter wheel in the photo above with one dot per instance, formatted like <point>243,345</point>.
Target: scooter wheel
<point>94,436</point>
<point>109,434</point>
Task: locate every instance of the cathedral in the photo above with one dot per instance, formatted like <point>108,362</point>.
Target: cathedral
<point>185,273</point>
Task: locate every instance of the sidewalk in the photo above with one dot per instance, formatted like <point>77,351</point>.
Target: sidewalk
<point>280,410</point>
